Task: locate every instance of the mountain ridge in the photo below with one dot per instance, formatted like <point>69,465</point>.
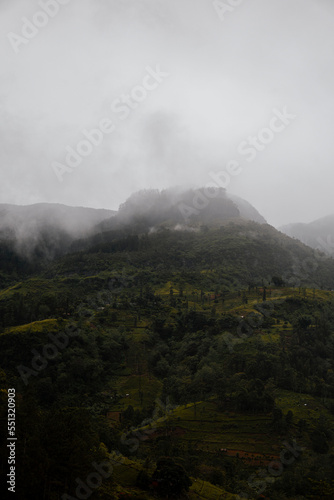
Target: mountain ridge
<point>318,234</point>
<point>49,229</point>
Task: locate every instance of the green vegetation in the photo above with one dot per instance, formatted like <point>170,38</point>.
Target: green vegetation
<point>191,361</point>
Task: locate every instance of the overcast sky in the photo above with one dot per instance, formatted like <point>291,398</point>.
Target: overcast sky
<point>182,88</point>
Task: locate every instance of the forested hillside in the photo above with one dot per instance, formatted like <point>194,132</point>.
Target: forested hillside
<point>190,362</point>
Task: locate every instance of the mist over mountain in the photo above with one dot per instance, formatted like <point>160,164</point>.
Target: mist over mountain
<point>33,235</point>
<point>172,206</point>
<point>49,229</point>
<point>247,211</point>
<point>40,233</point>
<point>318,234</point>
<point>46,229</point>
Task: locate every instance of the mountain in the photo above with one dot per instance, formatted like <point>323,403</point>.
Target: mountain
<point>49,229</point>
<point>27,218</point>
<point>150,208</point>
<point>46,229</point>
<point>246,210</point>
<point>234,254</point>
<point>179,353</point>
<point>222,232</point>
<point>318,234</point>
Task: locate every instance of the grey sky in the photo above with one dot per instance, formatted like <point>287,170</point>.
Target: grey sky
<point>226,76</point>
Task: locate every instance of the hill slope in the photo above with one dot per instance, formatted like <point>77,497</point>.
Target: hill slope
<point>238,252</point>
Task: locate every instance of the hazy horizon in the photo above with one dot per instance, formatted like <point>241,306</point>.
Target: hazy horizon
<point>102,99</point>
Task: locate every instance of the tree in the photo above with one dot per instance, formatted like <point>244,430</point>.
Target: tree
<point>289,418</point>
<point>143,480</point>
<point>277,421</point>
<point>323,489</point>
<point>171,297</point>
<point>277,280</point>
<point>170,479</point>
<point>264,296</point>
<point>303,322</point>
<point>319,442</point>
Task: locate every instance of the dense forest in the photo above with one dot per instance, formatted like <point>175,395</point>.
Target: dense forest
<point>191,362</point>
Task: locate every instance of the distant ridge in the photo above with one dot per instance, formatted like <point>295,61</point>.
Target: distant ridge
<point>47,228</point>
<point>22,218</point>
<point>318,234</point>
